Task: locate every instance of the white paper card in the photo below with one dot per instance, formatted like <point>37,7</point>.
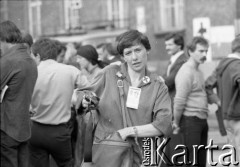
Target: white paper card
<point>133,97</point>
<point>3,93</point>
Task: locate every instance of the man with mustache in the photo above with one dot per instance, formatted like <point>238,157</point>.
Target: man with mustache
<point>190,102</point>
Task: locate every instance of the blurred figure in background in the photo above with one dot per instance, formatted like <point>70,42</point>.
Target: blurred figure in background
<point>174,44</point>
<point>61,49</point>
<point>87,57</point>
<point>175,48</point>
<point>226,78</point>
<point>18,77</point>
<point>191,102</point>
<point>110,55</point>
<point>99,49</point>
<point>70,55</point>
<point>51,107</point>
<point>28,41</point>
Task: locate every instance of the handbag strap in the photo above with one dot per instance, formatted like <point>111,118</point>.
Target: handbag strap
<point>125,114</point>
<point>88,139</point>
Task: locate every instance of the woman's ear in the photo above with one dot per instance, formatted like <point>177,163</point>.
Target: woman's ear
<point>148,52</point>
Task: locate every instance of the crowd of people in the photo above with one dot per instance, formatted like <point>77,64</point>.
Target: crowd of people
<point>48,87</point>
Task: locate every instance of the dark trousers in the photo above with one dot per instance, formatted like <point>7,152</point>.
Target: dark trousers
<point>54,140</point>
<point>13,153</point>
<point>175,140</point>
<point>195,132</point>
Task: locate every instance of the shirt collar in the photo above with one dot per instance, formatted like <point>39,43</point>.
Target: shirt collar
<point>47,62</point>
<point>176,56</point>
<point>233,55</point>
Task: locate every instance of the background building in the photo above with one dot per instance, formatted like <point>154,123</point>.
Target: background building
<point>217,20</point>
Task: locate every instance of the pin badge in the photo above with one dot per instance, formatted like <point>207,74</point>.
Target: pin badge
<point>146,79</point>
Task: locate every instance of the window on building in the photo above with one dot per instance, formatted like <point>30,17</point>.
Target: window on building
<point>72,14</point>
<point>35,17</point>
<point>4,10</point>
<point>171,15</point>
<point>118,13</point>
<point>237,26</point>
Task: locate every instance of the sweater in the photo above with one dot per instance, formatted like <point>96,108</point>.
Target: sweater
<point>191,97</point>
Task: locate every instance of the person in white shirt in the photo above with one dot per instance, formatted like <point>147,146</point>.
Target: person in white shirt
<point>51,106</point>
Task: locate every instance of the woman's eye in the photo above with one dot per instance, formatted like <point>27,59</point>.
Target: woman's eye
<point>127,53</point>
<point>138,50</point>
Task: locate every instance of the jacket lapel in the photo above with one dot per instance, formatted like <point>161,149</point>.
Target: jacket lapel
<point>180,60</point>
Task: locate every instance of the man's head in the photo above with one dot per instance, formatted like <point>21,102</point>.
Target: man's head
<point>44,49</point>
<point>27,39</point>
<point>109,51</point>
<point>197,49</point>
<point>9,35</point>
<point>99,49</point>
<point>174,43</point>
<point>61,49</point>
<point>236,45</point>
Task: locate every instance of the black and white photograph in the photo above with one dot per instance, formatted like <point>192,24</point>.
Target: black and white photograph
<point>120,83</point>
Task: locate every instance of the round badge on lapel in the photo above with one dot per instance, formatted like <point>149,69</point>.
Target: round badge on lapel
<point>146,79</point>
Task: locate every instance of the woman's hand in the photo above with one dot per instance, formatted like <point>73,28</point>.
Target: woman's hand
<point>85,103</point>
<point>124,133</point>
<point>176,129</point>
<point>90,100</point>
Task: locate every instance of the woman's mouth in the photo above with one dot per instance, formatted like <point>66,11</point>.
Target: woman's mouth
<point>136,64</point>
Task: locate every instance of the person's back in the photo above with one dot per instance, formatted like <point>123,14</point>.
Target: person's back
<point>20,82</point>
<point>51,107</point>
<point>226,78</point>
<point>18,77</point>
<point>228,82</point>
<point>228,73</point>
<point>54,102</point>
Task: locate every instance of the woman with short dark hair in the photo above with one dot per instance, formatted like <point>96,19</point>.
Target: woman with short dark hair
<point>145,99</point>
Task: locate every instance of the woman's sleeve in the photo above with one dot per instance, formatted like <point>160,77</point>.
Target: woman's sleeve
<point>162,112</point>
<point>97,86</point>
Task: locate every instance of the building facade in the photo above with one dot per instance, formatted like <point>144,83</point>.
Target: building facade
<point>217,20</point>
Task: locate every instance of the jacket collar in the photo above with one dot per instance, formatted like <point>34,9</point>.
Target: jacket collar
<point>181,58</point>
<point>123,75</point>
<point>14,49</point>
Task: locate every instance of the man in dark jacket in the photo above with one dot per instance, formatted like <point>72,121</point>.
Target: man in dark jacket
<point>18,77</point>
<point>227,79</point>
<point>174,44</point>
